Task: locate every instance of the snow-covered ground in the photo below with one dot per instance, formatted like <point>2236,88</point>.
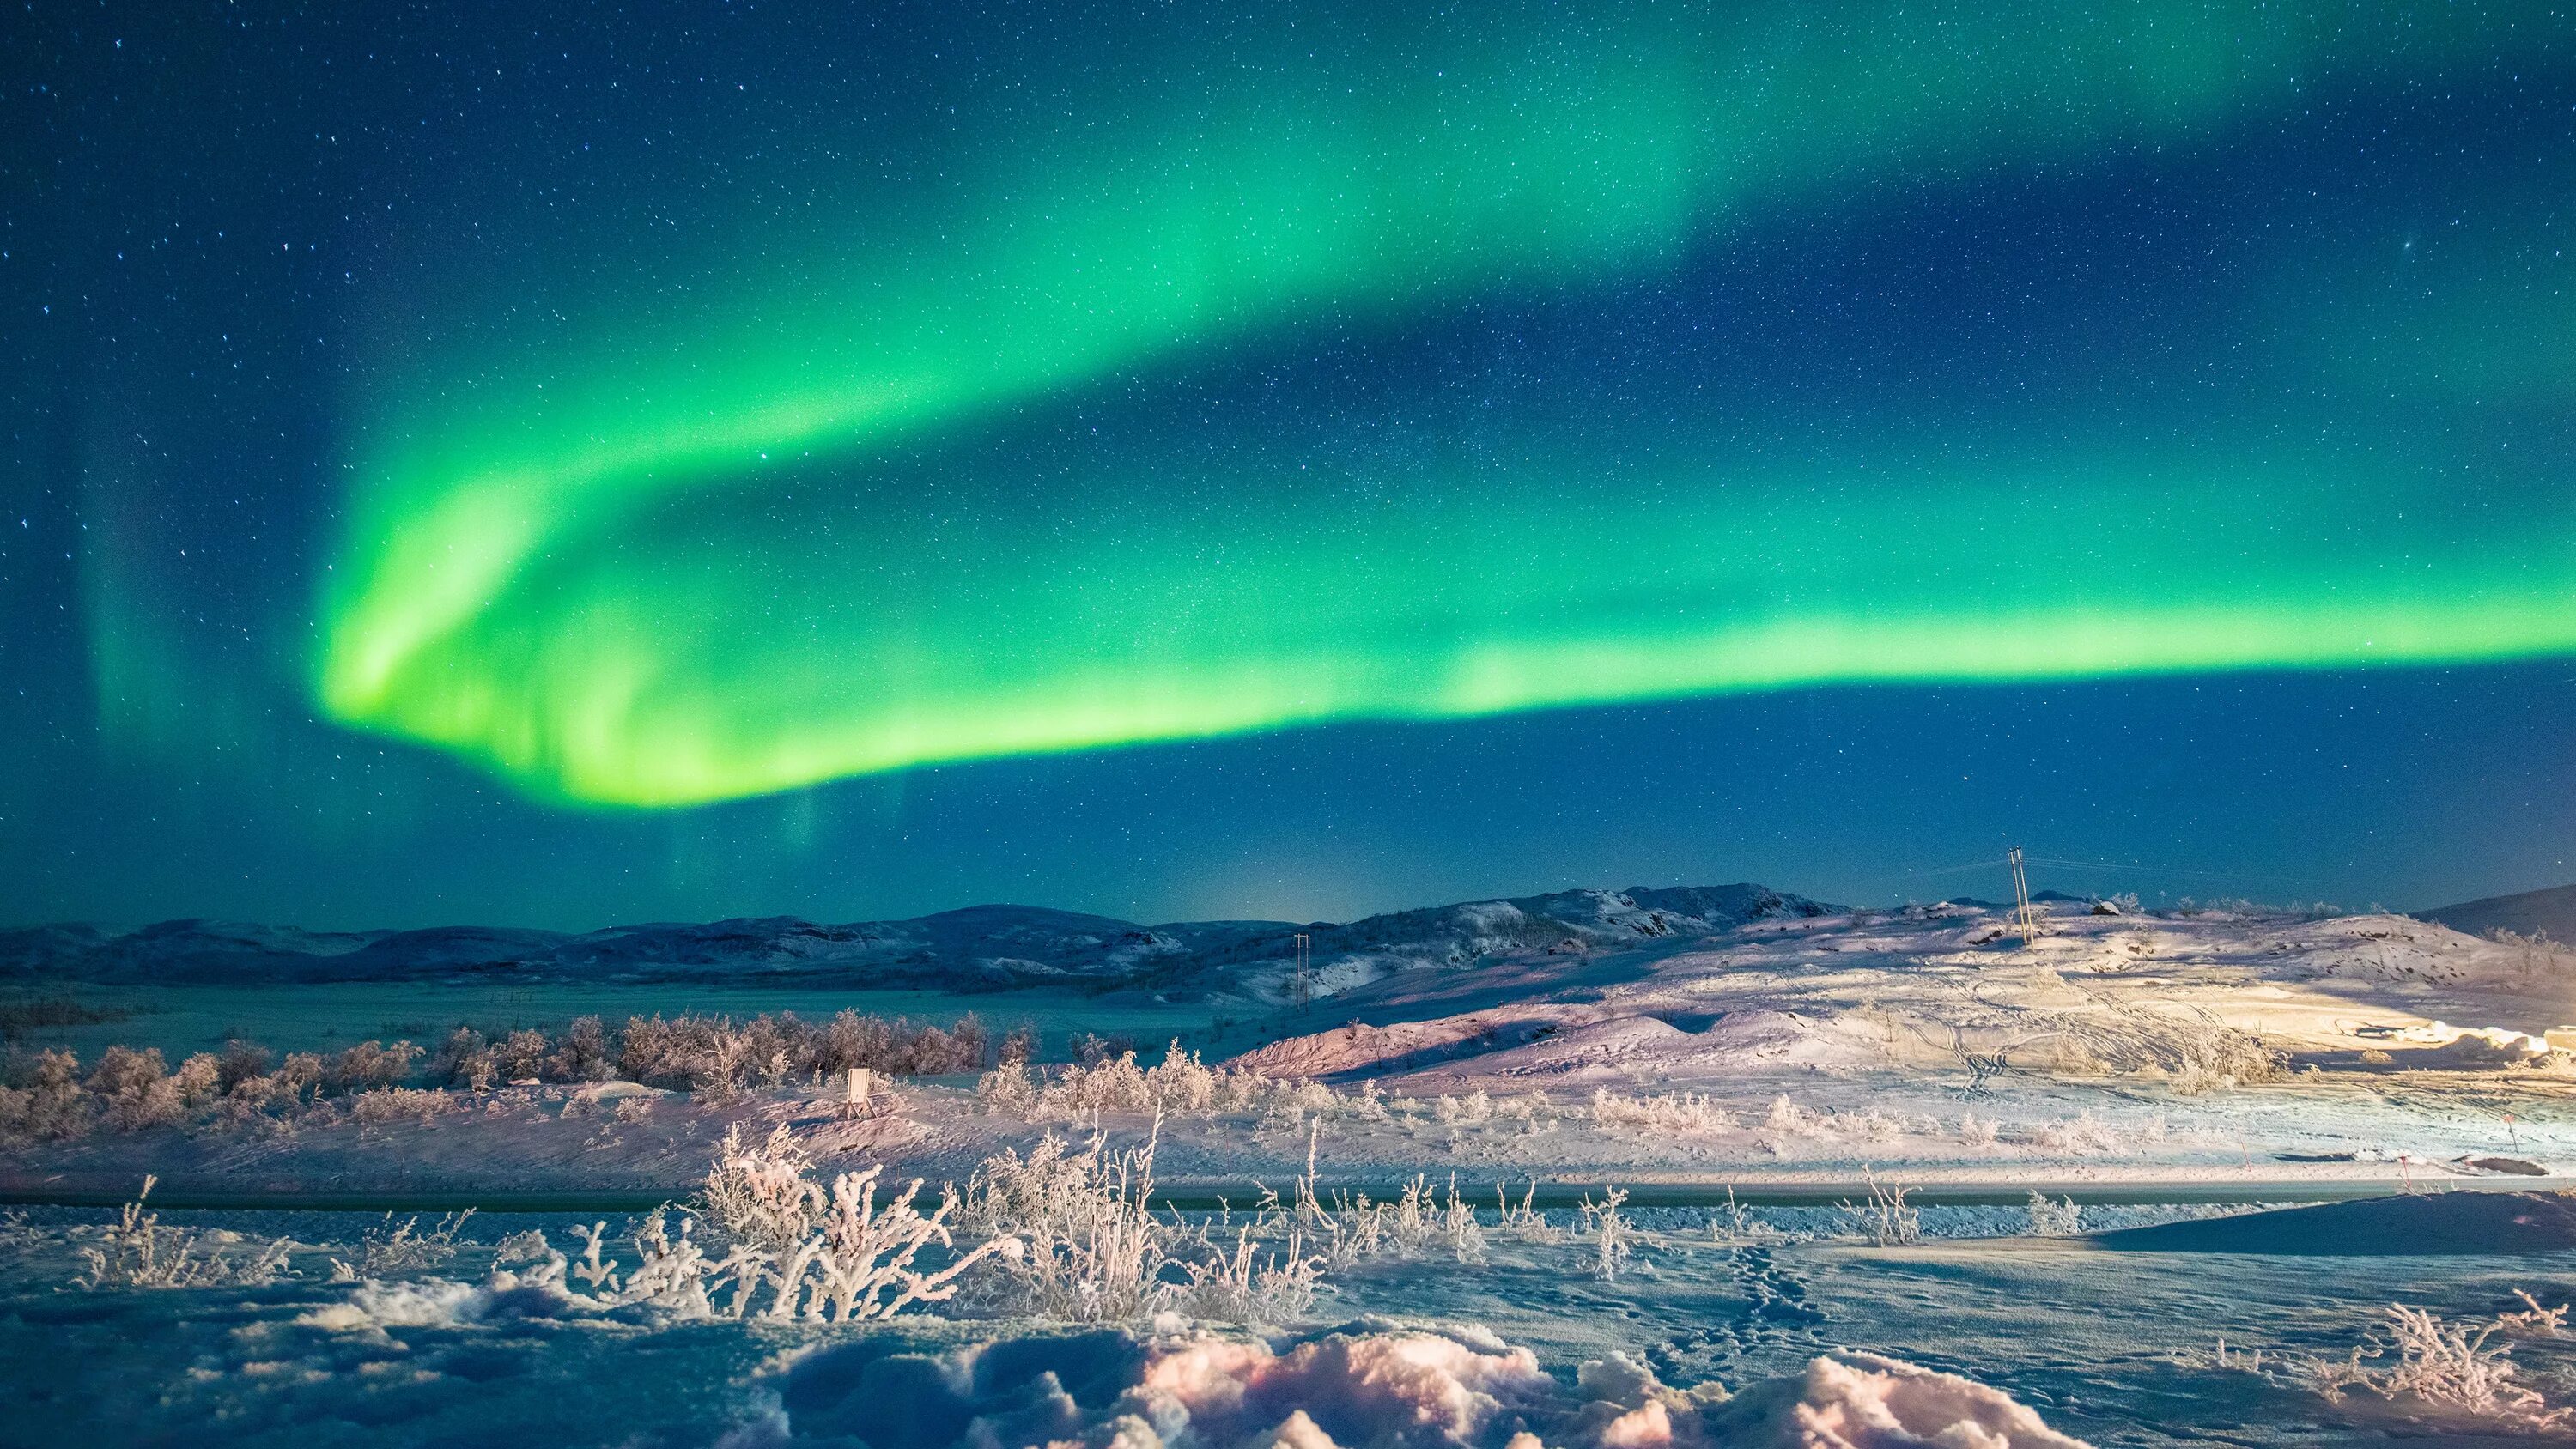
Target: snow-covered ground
<point>2153,1067</point>
<point>2124,1054</point>
<point>2112,1348</point>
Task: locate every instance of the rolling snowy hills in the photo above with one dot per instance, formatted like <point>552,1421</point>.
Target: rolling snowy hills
<point>995,947</point>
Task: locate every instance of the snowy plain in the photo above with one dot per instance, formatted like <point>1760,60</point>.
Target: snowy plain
<point>1737,1079</point>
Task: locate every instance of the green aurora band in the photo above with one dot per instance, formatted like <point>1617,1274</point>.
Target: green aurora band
<point>742,546</point>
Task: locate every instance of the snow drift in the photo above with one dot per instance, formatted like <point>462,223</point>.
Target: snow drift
<point>2427,1223</point>
<point>1372,1383</point>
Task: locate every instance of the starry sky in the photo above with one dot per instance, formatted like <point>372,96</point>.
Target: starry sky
<point>559,464</point>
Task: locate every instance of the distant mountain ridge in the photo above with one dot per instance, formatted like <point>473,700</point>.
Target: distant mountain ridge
<point>979,947</point>
<point>2550,912</point>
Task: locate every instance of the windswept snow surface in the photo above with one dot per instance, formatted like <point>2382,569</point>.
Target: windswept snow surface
<point>1787,1055</point>
<point>1804,1341</point>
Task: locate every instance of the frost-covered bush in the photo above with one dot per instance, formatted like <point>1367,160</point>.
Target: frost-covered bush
<point>763,1195</point>
<point>2450,1365</point>
<point>390,1247</point>
<point>42,1098</point>
<point>1180,1085</point>
<point>199,1080</point>
<point>2082,1135</point>
<point>2053,1217</point>
<point>581,1053</point>
<point>370,1065</point>
<point>2417,1354</point>
<point>135,1089</point>
<point>1007,1091</point>
<point>1247,1286</point>
<point>521,1056</point>
<point>835,1254</point>
<point>1095,1251</point>
<point>465,1060</point>
<point>715,1055</point>
<point>1679,1112</point>
<point>239,1062</point>
<point>1886,1219</point>
<point>1420,1219</point>
<point>296,1083</point>
<point>137,1252</point>
<point>379,1105</point>
<point>1735,1226</point>
<point>1612,1236</point>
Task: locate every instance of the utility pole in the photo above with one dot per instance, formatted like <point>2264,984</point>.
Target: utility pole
<point>2024,917</point>
<point>1301,986</point>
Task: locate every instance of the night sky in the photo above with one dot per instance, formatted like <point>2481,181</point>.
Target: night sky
<point>470,463</point>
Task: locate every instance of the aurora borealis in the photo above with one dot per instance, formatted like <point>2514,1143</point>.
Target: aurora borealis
<point>628,417</point>
<point>529,583</point>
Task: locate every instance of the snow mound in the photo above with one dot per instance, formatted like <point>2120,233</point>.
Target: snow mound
<point>1359,1047</point>
<point>1371,1383</point>
<point>430,1303</point>
<point>1849,1400</point>
<point>2429,1223</point>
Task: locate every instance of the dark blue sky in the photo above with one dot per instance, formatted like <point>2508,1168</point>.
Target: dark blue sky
<point>230,234</point>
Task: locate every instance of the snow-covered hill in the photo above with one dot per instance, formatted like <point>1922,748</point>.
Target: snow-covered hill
<point>981,947</point>
<point>2550,913</point>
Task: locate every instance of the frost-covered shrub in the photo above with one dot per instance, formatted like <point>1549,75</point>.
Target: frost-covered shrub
<point>2082,1135</point>
<point>2451,1365</point>
<point>761,1195</point>
<point>1007,1091</point>
<point>1019,1044</point>
<point>1090,1048</point>
<point>297,1081</point>
<point>581,1054</point>
<point>138,1252</point>
<point>2444,1365</point>
<point>1735,1226</point>
<point>2070,1055</point>
<point>838,1253</point>
<point>1095,1252</point>
<point>1181,1085</point>
<point>378,1105</point>
<point>465,1060</point>
<point>198,1081</point>
<point>1117,1085</point>
<point>521,1056</point>
<point>135,1089</point>
<point>2053,1217</point>
<point>1612,1237</point>
<point>391,1247</point>
<point>43,1097</point>
<point>240,1061</point>
<point>1246,1286</point>
<point>370,1065</point>
<point>714,1055</point>
<point>1681,1112</point>
<point>1886,1219</point>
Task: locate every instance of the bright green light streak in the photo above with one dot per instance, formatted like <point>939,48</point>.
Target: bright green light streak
<point>1540,146</point>
<point>649,673</point>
